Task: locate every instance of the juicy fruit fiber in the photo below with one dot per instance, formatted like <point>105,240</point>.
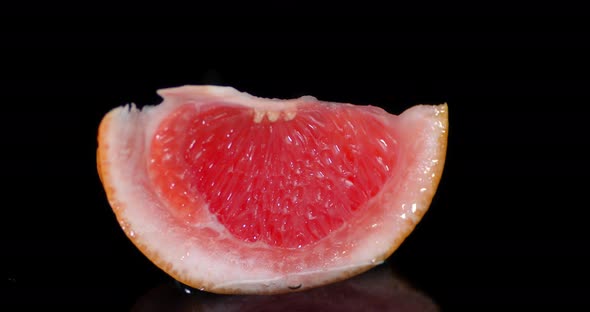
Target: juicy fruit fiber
<point>231,193</point>
<point>291,182</point>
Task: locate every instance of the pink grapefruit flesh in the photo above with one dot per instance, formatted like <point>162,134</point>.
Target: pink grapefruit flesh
<point>231,193</point>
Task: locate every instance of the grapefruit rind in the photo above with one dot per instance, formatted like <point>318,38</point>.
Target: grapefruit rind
<point>220,264</point>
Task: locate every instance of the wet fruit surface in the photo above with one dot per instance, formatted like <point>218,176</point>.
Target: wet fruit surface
<point>286,183</point>
<point>231,193</point>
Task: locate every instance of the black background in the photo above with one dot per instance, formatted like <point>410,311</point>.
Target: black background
<point>507,226</point>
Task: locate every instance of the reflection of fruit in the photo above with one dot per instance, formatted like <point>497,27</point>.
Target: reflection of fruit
<point>236,194</point>
<point>376,290</point>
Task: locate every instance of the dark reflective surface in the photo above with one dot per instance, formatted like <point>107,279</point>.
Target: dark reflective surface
<point>379,289</point>
<point>508,227</point>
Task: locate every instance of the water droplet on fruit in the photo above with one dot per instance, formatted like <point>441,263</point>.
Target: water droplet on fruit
<point>403,215</point>
<point>373,260</point>
<point>132,234</point>
<point>414,208</point>
<point>336,149</point>
<point>423,190</point>
<point>295,287</point>
<point>192,144</point>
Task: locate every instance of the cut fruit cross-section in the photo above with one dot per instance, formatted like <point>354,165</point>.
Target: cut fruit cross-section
<point>232,193</point>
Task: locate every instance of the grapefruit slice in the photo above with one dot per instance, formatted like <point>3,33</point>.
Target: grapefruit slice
<point>231,193</point>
